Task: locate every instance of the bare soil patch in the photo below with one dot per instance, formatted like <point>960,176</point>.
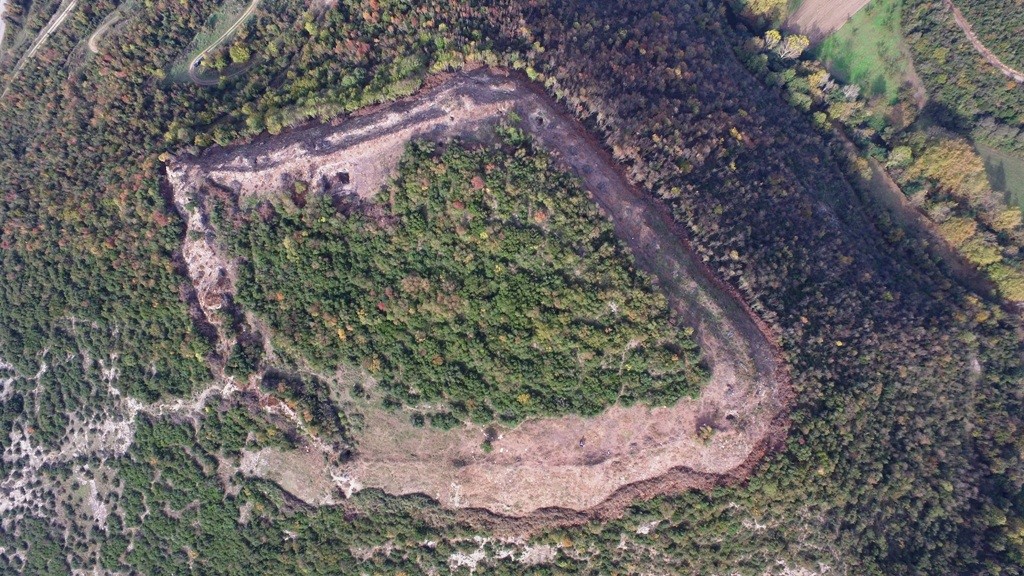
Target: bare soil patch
<point>550,466</point>
<point>296,471</point>
<point>816,19</point>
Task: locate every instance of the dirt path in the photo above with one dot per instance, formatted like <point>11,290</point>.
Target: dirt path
<point>41,38</point>
<point>539,464</point>
<point>234,27</point>
<point>94,40</point>
<point>885,192</point>
<point>816,19</point>
<point>920,91</point>
<point>987,54</point>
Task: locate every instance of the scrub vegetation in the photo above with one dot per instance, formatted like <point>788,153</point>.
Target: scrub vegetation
<point>1005,174</point>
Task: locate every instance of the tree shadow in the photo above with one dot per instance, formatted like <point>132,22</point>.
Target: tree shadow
<point>947,117</point>
<point>996,172</point>
<point>879,86</point>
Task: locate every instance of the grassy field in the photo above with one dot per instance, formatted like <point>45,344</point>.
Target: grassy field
<point>868,50</point>
<point>1005,174</point>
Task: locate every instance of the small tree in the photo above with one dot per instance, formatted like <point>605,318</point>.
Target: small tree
<point>239,53</point>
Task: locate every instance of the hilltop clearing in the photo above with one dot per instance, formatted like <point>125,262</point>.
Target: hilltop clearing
<point>542,463</point>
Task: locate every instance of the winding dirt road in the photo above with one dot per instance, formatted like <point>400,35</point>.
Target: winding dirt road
<point>94,40</point>
<point>199,58</point>
<point>961,21</point>
<point>539,465</point>
<point>3,23</point>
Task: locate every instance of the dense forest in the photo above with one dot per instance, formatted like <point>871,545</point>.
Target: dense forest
<point>862,296</point>
<point>481,278</point>
<point>904,455</point>
<point>941,173</point>
<point>968,95</point>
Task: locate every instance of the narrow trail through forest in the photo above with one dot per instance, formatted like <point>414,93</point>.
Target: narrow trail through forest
<point>885,192</point>
<point>539,464</point>
<point>41,38</point>
<point>192,74</point>
<point>961,21</point>
<point>94,40</point>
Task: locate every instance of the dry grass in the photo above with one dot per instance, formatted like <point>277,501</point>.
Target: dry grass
<point>299,472</point>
